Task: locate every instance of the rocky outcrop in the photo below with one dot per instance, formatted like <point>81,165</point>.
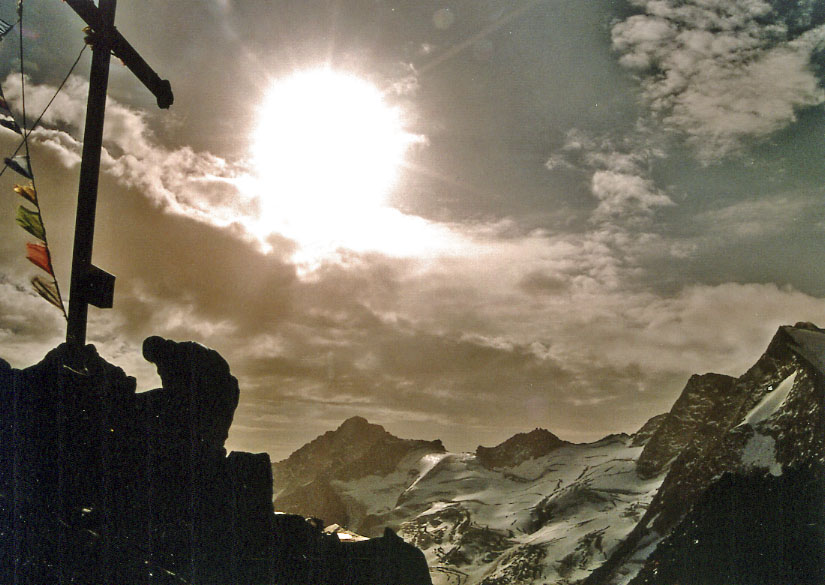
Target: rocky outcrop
<point>707,404</point>
<point>748,529</point>
<point>307,554</point>
<point>648,430</point>
<point>519,448</point>
<point>99,484</point>
<point>356,449</point>
<point>770,419</point>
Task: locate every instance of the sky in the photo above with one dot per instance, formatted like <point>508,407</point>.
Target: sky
<point>580,203</point>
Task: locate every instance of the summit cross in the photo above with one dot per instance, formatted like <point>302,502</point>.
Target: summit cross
<point>89,284</point>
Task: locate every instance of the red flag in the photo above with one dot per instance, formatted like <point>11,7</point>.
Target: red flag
<point>39,255</point>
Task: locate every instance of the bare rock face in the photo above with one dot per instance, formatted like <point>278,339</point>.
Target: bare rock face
<point>770,420</point>
<point>356,449</point>
<point>707,403</point>
<point>648,430</point>
<point>519,448</point>
<point>779,528</point>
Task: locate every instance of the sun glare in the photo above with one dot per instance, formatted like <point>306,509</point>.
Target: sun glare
<point>327,150</point>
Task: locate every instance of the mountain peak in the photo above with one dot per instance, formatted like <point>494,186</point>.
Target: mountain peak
<point>358,424</point>
<point>355,421</point>
<point>356,449</point>
<point>519,448</point>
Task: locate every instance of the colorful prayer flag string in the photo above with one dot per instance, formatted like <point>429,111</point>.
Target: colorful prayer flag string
<point>38,253</point>
<point>48,290</point>
<point>30,219</point>
<point>27,192</point>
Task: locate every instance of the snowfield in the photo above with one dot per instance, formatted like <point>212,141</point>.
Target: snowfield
<point>551,518</point>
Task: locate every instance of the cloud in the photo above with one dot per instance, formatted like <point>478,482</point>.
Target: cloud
<point>619,176</point>
<point>720,72</point>
<point>623,193</point>
<point>26,325</point>
<point>178,179</point>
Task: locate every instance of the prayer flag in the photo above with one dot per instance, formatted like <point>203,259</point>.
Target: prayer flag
<point>4,105</point>
<point>5,27</point>
<point>38,254</point>
<point>20,164</point>
<point>10,124</point>
<point>6,117</point>
<point>47,290</point>
<point>26,191</point>
<point>31,222</point>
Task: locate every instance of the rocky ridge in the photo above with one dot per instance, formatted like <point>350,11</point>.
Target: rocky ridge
<point>770,420</point>
<point>519,448</point>
<point>536,509</point>
<point>303,483</point>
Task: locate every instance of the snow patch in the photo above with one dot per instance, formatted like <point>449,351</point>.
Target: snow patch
<point>771,403</point>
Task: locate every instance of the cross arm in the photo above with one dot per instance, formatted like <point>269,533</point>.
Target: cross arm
<point>160,88</point>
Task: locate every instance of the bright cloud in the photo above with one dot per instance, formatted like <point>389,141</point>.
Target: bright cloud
<point>716,72</point>
<point>180,180</point>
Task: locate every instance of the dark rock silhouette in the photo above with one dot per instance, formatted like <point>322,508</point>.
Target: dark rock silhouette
<point>519,448</point>
<point>100,484</point>
<point>308,555</point>
<point>724,425</point>
<point>206,413</point>
<point>779,523</point>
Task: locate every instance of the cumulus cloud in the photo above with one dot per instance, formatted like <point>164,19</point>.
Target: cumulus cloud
<point>720,71</point>
<point>620,193</point>
<point>620,178</point>
<point>179,179</point>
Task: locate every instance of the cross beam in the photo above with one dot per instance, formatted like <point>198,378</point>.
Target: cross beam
<point>89,284</point>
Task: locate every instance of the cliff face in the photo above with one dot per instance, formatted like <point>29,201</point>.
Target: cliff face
<point>748,529</point>
<point>707,403</point>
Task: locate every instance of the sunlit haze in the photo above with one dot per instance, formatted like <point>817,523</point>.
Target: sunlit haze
<point>327,151</point>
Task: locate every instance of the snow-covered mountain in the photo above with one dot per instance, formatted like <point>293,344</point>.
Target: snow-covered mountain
<point>531,509</point>
<point>536,509</point>
<point>308,481</point>
<point>770,420</point>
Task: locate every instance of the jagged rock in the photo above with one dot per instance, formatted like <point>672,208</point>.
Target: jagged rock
<point>748,529</point>
<point>304,554</point>
<point>772,418</point>
<point>356,449</point>
<point>519,448</point>
<point>650,428</point>
<point>199,395</point>
<point>707,404</point>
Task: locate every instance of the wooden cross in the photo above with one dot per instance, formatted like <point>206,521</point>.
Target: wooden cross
<point>91,285</point>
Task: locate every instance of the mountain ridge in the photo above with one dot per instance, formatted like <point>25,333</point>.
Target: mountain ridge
<point>536,508</point>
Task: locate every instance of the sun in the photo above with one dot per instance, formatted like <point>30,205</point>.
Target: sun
<point>327,149</point>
